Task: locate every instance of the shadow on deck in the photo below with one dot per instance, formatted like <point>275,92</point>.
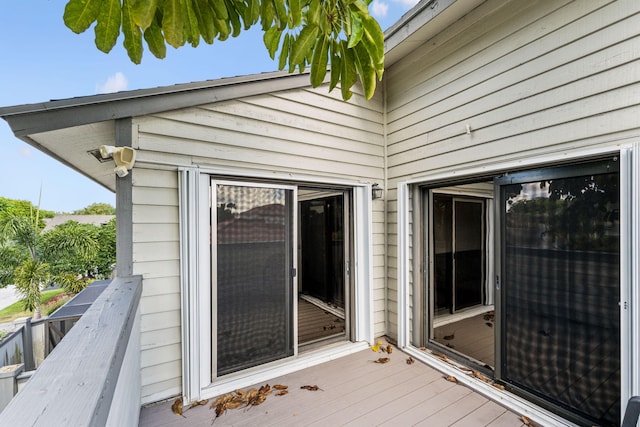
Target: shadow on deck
<point>353,391</point>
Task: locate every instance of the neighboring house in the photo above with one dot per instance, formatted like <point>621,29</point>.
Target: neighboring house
<point>51,223</point>
<point>506,136</point>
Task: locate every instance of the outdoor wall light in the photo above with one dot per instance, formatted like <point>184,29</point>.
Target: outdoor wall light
<point>376,192</point>
<point>123,157</point>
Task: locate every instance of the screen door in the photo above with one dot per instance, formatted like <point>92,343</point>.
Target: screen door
<point>560,244</point>
<point>253,275</point>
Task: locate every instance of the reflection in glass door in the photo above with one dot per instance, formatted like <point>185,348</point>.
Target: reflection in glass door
<point>458,230</point>
<point>253,299</point>
<point>468,253</point>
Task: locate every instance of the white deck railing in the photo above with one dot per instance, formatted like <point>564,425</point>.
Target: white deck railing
<point>92,378</point>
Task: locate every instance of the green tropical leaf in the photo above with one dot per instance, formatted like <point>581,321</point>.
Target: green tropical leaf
<point>365,70</point>
<point>192,29</point>
<point>266,15</point>
<point>348,76</point>
<point>224,30</point>
<point>295,10</point>
<point>359,6</point>
<point>336,65</point>
<point>284,53</point>
<point>143,12</point>
<point>219,8</point>
<point>373,37</point>
<point>319,60</point>
<point>173,22</point>
<point>234,18</point>
<point>132,33</point>
<point>155,40</point>
<point>281,13</point>
<point>108,27</point>
<point>356,30</point>
<point>316,32</point>
<point>303,44</point>
<point>272,40</point>
<point>253,12</point>
<point>205,20</point>
<point>80,14</point>
<point>313,13</point>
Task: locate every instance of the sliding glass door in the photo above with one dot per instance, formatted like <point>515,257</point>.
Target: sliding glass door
<point>560,287</point>
<point>254,266</point>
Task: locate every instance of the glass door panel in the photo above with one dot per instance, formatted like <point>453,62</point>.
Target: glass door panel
<point>560,237</point>
<point>254,262</point>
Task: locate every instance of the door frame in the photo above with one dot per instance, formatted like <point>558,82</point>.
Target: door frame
<point>629,278</point>
<point>348,250</point>
<point>292,283</point>
<point>194,207</point>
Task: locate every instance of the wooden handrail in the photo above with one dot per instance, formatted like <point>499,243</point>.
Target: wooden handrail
<point>75,385</point>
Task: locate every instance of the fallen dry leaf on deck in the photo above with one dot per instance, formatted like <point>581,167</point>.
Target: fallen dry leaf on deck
<point>199,403</point>
<point>265,390</point>
<point>282,393</point>
<point>382,360</point>
<point>177,407</point>
<point>478,375</point>
<point>220,409</point>
<point>376,347</point>
<point>422,348</point>
<point>526,421</point>
<point>410,361</point>
<point>311,387</point>
<point>452,379</point>
<point>389,349</point>
<point>280,387</point>
<point>440,356</point>
<point>498,386</point>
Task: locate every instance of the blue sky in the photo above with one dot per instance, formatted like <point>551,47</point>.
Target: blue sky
<point>41,60</point>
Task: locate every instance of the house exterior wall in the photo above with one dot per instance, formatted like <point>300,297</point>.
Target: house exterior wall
<point>299,132</point>
<point>527,80</point>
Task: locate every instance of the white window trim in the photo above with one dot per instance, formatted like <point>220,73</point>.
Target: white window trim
<point>196,274</point>
<point>629,277</point>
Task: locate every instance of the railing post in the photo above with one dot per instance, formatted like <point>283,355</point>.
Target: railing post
<point>8,384</point>
<point>27,342</point>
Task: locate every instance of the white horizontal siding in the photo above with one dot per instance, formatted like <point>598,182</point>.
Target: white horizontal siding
<point>305,132</point>
<point>527,79</point>
<point>156,256</point>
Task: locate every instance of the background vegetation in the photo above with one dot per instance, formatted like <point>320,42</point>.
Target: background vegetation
<point>69,256</point>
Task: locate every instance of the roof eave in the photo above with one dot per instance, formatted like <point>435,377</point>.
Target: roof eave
<point>30,119</point>
<point>421,23</point>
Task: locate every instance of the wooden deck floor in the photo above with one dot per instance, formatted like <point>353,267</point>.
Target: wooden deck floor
<point>354,391</point>
<point>472,337</point>
<point>314,323</point>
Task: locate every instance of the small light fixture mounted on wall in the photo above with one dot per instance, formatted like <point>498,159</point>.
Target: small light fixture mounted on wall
<point>376,192</point>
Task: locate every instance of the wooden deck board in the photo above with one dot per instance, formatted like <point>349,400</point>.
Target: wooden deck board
<point>315,323</point>
<point>355,391</point>
<point>486,414</point>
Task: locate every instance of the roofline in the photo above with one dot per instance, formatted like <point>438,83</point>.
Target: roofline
<point>422,13</point>
<point>29,119</point>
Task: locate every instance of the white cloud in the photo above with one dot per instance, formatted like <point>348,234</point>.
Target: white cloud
<point>26,152</point>
<point>379,9</point>
<point>408,3</point>
<point>114,83</point>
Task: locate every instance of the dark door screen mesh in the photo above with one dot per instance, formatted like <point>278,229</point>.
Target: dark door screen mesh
<point>254,258</point>
<point>560,290</point>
